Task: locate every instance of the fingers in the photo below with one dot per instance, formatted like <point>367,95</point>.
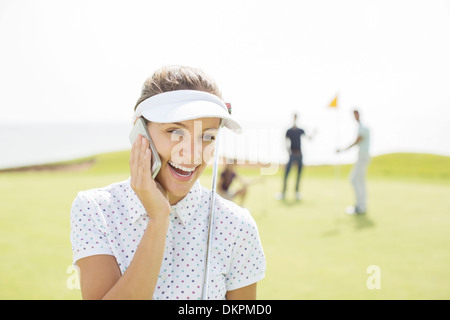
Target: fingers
<point>145,163</point>
<point>140,162</point>
<point>152,195</point>
<point>133,157</point>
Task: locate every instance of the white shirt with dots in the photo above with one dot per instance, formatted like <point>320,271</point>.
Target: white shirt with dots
<point>112,220</point>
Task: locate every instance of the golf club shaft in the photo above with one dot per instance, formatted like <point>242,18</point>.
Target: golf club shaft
<point>211,219</point>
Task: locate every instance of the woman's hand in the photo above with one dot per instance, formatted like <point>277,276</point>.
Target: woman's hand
<point>151,193</point>
<point>101,277</point>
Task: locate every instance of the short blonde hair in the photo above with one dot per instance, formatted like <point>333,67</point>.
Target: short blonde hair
<point>175,77</point>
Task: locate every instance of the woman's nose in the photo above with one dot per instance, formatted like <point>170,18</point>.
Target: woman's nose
<point>191,151</point>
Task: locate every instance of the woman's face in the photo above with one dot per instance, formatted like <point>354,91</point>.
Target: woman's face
<point>185,149</point>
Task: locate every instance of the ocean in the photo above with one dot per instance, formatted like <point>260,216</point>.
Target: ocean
<point>24,145</point>
<point>34,144</point>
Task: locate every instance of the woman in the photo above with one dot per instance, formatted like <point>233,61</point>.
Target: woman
<point>146,238</point>
<point>227,177</point>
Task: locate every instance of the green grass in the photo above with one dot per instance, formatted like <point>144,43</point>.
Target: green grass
<point>313,250</point>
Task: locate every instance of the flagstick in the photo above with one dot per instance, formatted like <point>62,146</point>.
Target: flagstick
<point>337,165</point>
<point>337,168</point>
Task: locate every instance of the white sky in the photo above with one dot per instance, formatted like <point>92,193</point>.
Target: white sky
<point>85,61</point>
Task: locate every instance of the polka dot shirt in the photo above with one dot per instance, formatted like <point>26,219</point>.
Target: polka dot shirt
<point>112,221</point>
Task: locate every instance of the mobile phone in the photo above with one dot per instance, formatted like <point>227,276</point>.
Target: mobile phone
<point>141,128</point>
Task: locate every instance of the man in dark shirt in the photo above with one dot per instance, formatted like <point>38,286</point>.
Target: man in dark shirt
<point>294,146</point>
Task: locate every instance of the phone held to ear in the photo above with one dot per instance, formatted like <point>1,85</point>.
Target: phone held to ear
<point>141,128</point>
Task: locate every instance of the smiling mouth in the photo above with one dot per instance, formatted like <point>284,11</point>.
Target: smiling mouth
<point>182,171</point>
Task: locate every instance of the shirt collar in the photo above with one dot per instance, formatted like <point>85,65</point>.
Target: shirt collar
<point>184,209</point>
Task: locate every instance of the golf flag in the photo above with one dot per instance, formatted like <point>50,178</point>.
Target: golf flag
<point>333,103</point>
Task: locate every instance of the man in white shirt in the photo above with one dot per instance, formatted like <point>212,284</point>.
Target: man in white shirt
<point>358,174</point>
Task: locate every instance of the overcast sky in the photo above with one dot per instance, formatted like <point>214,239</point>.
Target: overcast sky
<point>85,61</point>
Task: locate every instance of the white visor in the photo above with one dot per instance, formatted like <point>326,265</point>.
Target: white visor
<point>182,105</point>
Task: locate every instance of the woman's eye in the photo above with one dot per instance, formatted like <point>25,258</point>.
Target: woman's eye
<point>177,132</point>
<point>209,137</point>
